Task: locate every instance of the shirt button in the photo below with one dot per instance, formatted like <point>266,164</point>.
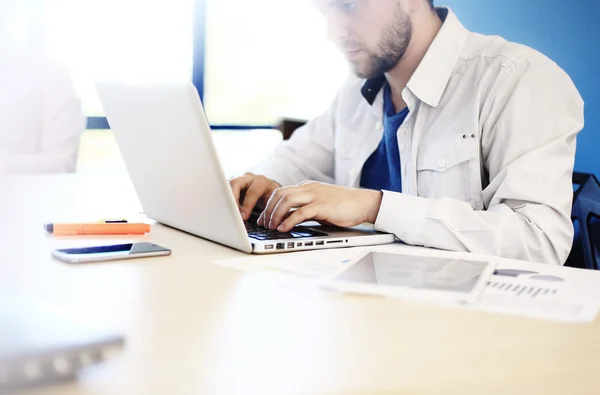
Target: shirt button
<point>378,126</point>
<point>442,163</point>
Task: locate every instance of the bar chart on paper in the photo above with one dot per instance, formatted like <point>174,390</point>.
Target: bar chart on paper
<point>535,294</point>
<point>537,287</point>
<point>521,290</point>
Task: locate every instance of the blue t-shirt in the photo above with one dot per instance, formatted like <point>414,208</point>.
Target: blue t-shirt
<point>382,170</point>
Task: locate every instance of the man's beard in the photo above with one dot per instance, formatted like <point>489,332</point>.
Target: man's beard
<point>391,48</point>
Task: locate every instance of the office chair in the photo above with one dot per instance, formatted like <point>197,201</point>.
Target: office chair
<point>586,219</point>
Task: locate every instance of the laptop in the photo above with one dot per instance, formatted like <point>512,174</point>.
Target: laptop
<point>40,345</point>
<point>166,144</point>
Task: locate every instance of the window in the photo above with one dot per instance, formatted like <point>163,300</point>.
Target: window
<point>120,39</point>
<point>263,58</point>
<point>252,61</point>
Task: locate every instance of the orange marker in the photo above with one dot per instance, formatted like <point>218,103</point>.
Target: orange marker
<point>97,229</point>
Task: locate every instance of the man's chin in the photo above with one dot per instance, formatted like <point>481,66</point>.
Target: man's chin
<point>361,72</point>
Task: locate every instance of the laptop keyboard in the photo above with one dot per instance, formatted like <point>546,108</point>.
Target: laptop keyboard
<point>260,233</point>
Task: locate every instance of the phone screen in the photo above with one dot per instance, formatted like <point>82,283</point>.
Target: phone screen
<point>114,249</point>
<point>98,249</point>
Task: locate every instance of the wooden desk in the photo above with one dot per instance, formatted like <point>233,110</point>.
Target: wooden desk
<point>196,328</point>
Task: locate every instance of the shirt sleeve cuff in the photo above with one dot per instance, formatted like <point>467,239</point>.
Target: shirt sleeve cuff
<point>403,215</point>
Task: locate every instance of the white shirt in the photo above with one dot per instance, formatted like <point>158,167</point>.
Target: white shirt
<point>487,150</point>
<point>40,115</point>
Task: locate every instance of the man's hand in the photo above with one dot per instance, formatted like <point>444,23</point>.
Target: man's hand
<point>331,204</point>
<point>251,189</point>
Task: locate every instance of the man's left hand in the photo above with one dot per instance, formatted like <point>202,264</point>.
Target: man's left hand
<point>332,204</point>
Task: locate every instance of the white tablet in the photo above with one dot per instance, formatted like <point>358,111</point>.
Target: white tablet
<point>421,278</point>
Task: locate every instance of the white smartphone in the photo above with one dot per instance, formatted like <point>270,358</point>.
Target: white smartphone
<point>101,253</point>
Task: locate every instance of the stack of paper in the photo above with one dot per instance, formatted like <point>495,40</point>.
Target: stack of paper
<point>521,288</point>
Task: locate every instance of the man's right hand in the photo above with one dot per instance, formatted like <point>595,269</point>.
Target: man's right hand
<point>250,190</point>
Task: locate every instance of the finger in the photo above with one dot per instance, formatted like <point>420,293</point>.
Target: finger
<point>287,215</point>
<point>271,204</point>
<point>274,200</point>
<point>286,203</point>
<point>254,192</point>
<point>261,220</point>
<point>297,217</point>
<point>237,185</point>
<point>270,188</point>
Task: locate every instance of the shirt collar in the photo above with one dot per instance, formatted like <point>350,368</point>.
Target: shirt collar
<point>430,79</point>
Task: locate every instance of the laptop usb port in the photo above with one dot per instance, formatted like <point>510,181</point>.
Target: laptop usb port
<point>298,244</point>
<point>308,244</point>
<point>269,247</point>
<point>319,243</point>
<point>280,246</point>
<point>290,245</point>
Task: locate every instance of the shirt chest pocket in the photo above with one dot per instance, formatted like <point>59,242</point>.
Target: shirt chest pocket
<point>449,167</point>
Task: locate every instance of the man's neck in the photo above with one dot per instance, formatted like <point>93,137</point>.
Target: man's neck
<point>426,24</point>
